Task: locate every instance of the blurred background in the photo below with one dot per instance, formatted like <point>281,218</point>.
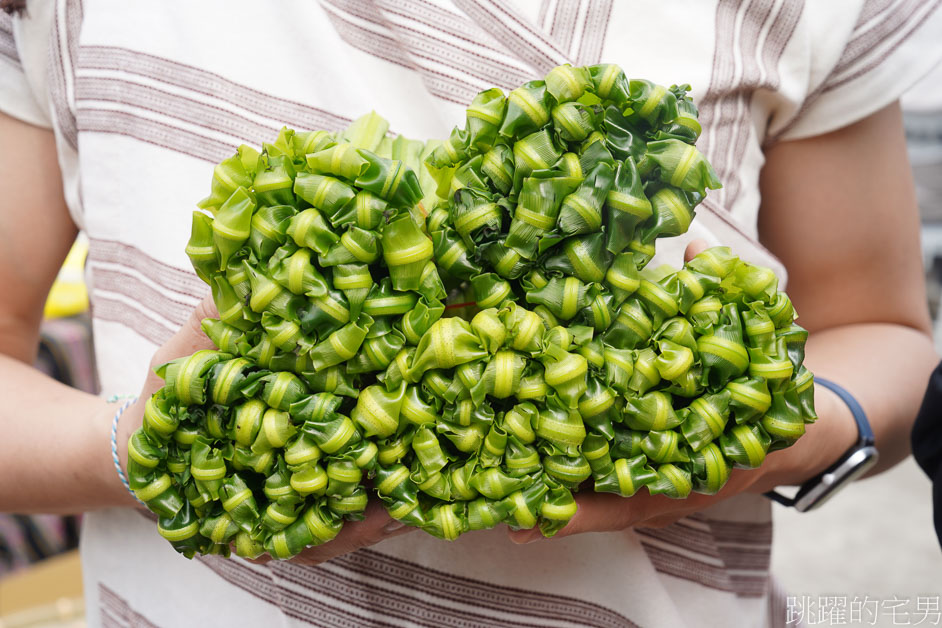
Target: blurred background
<point>873,544</point>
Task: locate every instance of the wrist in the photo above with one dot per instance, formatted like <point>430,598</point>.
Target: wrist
<point>823,443</point>
<point>120,461</point>
<point>114,492</point>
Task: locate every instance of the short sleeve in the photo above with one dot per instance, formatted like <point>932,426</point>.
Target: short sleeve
<point>17,88</point>
<point>892,45</point>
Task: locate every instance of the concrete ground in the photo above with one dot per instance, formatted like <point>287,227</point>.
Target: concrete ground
<point>873,541</point>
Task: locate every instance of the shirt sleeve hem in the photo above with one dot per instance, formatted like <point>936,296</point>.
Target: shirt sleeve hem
<point>840,104</point>
<point>16,97</point>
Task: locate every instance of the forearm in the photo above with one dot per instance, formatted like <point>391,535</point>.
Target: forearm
<point>55,450</point>
<point>54,440</point>
<point>839,210</point>
<point>886,368</point>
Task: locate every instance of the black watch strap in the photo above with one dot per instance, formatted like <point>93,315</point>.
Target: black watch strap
<point>853,463</point>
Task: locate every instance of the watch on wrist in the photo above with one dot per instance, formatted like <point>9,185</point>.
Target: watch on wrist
<point>851,465</point>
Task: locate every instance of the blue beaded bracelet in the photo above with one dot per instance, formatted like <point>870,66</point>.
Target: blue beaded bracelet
<point>129,399</point>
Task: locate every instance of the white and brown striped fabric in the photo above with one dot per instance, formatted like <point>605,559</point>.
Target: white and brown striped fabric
<point>143,100</point>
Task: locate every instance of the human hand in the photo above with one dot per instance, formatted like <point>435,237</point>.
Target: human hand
<point>188,339</point>
<point>605,512</point>
<point>376,526</point>
<point>830,436</point>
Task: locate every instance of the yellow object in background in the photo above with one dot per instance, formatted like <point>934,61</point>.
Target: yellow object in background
<point>47,594</point>
<point>68,295</point>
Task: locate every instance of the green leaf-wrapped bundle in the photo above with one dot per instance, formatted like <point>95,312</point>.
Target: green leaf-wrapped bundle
<point>563,365</point>
<point>321,268</point>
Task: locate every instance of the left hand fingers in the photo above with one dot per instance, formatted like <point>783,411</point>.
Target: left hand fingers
<point>376,526</point>
<point>602,512</point>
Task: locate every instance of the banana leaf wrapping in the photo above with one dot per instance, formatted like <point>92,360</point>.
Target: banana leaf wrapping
<point>563,364</point>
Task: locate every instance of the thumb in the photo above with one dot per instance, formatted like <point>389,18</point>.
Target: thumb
<point>186,341</point>
<point>190,337</point>
<point>694,248</point>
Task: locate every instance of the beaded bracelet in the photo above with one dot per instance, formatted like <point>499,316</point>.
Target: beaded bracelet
<point>129,399</point>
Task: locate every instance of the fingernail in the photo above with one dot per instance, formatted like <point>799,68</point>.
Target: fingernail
<point>392,526</point>
<point>524,539</point>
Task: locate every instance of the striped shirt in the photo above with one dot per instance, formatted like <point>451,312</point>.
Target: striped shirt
<point>143,100</point>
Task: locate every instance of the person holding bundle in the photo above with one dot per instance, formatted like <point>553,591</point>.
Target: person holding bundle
<point>113,115</point>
